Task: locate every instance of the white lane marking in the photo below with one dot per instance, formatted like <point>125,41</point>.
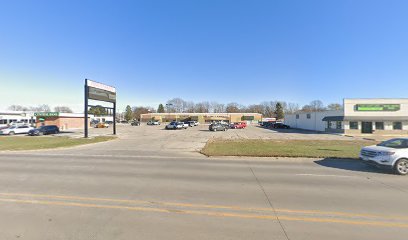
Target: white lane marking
<point>324,175</point>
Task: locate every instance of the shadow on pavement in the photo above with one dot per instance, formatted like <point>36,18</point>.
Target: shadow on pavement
<point>292,130</point>
<point>350,165</point>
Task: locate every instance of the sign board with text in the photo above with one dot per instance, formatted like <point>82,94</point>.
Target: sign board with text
<point>101,92</point>
<point>377,107</point>
<point>46,114</point>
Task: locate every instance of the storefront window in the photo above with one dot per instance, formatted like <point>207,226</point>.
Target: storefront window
<point>338,125</point>
<point>397,125</point>
<point>353,125</point>
<point>379,125</point>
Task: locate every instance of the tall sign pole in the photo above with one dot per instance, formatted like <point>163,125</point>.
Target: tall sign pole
<point>99,92</point>
<point>114,118</point>
<point>86,110</point>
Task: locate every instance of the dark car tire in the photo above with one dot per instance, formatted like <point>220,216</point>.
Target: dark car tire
<point>401,167</point>
<point>11,133</point>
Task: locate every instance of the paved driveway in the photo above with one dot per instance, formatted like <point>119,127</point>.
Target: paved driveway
<point>155,140</point>
<point>152,184</point>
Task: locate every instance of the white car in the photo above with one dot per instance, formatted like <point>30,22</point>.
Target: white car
<point>19,129</point>
<point>176,125</point>
<point>193,123</point>
<point>153,123</point>
<point>391,154</point>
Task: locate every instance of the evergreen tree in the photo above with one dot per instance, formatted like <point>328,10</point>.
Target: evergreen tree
<point>128,113</point>
<point>97,110</point>
<point>160,109</point>
<point>279,111</point>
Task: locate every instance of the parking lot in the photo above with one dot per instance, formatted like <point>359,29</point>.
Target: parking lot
<point>153,183</point>
<point>156,140</point>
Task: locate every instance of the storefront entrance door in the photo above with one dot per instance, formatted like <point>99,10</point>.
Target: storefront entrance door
<point>366,127</point>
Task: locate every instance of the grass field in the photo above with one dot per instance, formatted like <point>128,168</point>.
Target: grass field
<point>285,148</point>
<point>31,143</point>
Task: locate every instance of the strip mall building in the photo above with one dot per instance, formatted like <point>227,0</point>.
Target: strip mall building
<point>67,120</point>
<point>359,116</point>
<point>202,117</point>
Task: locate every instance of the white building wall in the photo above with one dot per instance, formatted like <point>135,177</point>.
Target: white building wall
<point>349,105</point>
<point>314,123</point>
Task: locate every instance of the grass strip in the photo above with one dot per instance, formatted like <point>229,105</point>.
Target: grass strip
<point>285,148</point>
<point>45,142</point>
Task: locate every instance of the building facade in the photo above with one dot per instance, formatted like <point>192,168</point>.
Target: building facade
<point>312,121</point>
<point>202,117</point>
<point>359,116</point>
<point>15,117</point>
<point>62,120</point>
<point>376,116</point>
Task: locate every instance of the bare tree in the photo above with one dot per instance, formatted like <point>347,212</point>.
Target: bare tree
<point>41,108</point>
<point>292,108</point>
<point>268,109</point>
<point>255,108</point>
<point>17,108</point>
<point>177,105</point>
<point>63,109</point>
<point>202,107</point>
<point>137,111</point>
<point>189,107</point>
<point>335,106</point>
<point>314,106</point>
<point>232,108</point>
<point>307,108</point>
<point>217,107</point>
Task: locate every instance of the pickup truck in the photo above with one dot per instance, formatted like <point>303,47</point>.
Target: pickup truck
<point>391,154</point>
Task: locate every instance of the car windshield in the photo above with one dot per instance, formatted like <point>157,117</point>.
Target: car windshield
<point>395,143</point>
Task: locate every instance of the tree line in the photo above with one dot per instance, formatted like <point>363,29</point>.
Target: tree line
<point>267,108</point>
<point>40,108</point>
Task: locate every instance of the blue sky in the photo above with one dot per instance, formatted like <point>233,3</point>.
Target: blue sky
<point>215,50</point>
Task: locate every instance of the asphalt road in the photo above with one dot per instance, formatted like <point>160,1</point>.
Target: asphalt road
<point>86,194</point>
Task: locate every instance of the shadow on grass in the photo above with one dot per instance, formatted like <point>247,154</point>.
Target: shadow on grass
<point>351,165</point>
<point>298,131</point>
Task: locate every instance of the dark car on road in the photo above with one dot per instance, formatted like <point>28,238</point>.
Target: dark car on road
<point>135,123</point>
<point>44,130</point>
<point>280,125</point>
<point>218,127</point>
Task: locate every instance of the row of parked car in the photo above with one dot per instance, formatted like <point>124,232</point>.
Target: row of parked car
<point>223,126</point>
<point>26,129</point>
<point>271,125</point>
<point>181,125</point>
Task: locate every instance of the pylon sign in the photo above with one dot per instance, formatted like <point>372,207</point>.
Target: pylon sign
<point>100,92</point>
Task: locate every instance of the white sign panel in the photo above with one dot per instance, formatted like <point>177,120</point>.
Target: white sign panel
<point>102,86</point>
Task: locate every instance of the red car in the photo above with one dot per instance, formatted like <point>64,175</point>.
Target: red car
<point>239,125</point>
